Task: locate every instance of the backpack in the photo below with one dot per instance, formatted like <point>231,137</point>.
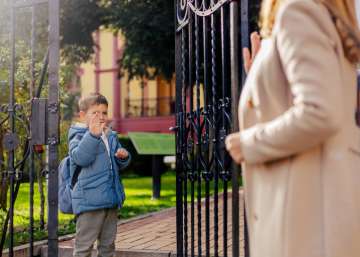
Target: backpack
<point>66,184</point>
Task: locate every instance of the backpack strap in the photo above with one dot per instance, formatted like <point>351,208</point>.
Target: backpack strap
<point>77,171</point>
<point>74,178</point>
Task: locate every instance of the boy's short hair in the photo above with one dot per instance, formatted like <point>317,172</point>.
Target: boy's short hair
<point>90,100</point>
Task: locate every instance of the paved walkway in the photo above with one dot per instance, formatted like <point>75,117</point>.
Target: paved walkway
<point>155,234</point>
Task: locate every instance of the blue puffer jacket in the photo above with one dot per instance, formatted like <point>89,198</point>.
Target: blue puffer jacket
<point>99,184</point>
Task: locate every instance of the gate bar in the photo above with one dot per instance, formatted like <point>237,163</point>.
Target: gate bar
<point>197,121</point>
<point>190,106</point>
<point>53,126</point>
<point>28,3</point>
<point>178,129</point>
<point>31,160</point>
<point>207,175</point>
<point>11,163</point>
<point>245,42</point>
<point>234,60</point>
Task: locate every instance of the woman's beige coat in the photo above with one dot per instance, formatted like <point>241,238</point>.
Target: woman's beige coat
<point>300,141</point>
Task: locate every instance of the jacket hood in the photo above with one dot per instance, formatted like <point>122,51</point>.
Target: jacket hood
<point>77,128</point>
<point>81,128</point>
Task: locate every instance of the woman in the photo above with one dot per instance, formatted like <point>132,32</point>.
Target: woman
<point>298,142</point>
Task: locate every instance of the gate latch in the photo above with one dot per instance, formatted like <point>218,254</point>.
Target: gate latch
<point>38,120</point>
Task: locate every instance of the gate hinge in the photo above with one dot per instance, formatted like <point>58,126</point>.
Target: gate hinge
<point>53,107</point>
<point>52,140</point>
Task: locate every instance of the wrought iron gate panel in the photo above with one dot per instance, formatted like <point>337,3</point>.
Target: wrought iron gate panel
<point>208,83</point>
<point>14,115</point>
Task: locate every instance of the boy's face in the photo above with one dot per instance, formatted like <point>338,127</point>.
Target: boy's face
<point>100,110</point>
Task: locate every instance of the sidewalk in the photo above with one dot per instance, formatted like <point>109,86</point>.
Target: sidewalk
<point>154,235</point>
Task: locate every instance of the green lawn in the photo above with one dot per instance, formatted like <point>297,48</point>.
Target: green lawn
<point>138,201</point>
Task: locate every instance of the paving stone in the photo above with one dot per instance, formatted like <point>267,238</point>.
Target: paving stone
<point>155,235</point>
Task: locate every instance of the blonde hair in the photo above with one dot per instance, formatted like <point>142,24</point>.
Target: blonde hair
<point>343,12</point>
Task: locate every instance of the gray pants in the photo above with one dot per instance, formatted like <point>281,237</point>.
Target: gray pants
<point>97,225</point>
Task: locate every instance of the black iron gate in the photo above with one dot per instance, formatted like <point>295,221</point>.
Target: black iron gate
<point>208,84</point>
<point>38,117</point>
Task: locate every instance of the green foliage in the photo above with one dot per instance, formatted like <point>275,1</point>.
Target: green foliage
<point>2,216</point>
<point>22,84</point>
<point>148,27</point>
<point>68,98</point>
<point>79,19</point>
<point>138,201</point>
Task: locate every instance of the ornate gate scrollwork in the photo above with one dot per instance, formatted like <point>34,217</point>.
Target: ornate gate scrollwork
<point>20,128</point>
<point>208,84</point>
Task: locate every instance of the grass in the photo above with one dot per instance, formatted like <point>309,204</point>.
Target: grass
<point>138,201</point>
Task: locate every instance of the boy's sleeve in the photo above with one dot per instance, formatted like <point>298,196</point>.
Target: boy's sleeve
<point>123,163</point>
<point>83,150</point>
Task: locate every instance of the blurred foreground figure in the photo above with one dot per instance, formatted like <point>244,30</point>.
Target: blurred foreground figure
<point>299,142</point>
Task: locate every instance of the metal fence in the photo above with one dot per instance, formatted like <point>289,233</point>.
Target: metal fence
<point>41,127</point>
<point>208,83</point>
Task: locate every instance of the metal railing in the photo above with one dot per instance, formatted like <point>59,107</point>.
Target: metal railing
<point>208,68</point>
<point>149,107</point>
<point>13,116</point>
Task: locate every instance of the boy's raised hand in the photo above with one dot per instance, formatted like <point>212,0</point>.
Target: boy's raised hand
<point>122,153</point>
<point>95,126</point>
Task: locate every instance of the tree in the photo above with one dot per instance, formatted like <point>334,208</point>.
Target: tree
<point>148,27</point>
<point>79,19</point>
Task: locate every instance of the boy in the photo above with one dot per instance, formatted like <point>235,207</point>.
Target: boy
<point>99,191</point>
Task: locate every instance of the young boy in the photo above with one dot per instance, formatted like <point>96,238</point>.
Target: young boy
<point>98,192</point>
